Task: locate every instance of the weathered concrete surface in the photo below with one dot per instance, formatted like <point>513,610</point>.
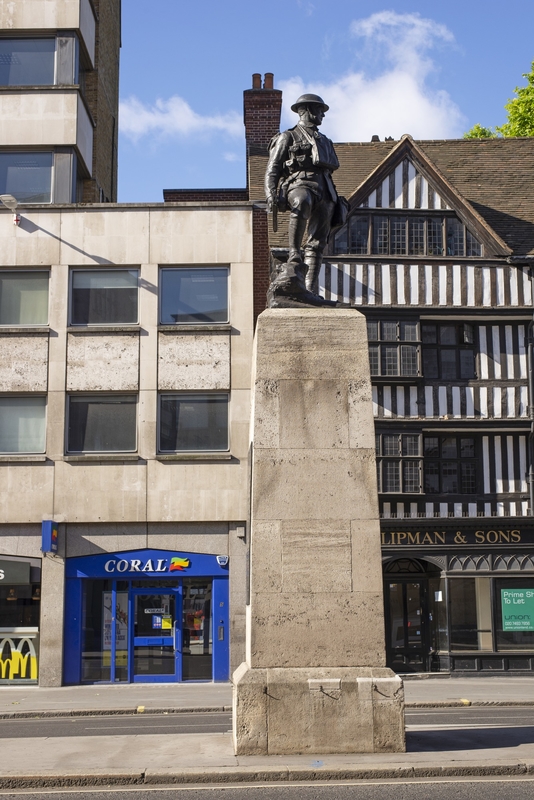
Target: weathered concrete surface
<point>193,361</point>
<point>23,362</point>
<point>315,677</point>
<point>102,362</point>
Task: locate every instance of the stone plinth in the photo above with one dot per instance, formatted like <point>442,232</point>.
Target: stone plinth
<point>315,678</point>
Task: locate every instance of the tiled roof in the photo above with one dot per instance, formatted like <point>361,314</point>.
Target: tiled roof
<point>496,176</point>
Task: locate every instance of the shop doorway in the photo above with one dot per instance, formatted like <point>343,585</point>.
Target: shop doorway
<point>147,616</point>
<point>414,605</point>
<point>133,632</point>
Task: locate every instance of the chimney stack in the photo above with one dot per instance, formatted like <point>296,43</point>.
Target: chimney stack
<point>262,108</point>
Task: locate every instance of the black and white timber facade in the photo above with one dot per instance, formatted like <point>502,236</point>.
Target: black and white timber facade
<point>438,254</point>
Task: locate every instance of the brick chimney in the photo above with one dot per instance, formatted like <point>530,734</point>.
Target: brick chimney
<point>262,106</point>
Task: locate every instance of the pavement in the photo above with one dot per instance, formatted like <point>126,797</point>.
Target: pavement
<point>200,758</point>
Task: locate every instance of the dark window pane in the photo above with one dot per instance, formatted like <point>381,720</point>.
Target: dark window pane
<point>416,237</point>
<point>380,235</point>
<point>398,235</point>
<point>410,445</point>
<point>104,297</point>
<point>390,476</point>
<point>467,448</point>
<point>463,611</point>
<point>455,238</point>
<point>194,295</point>
<point>390,445</point>
<point>430,363</point>
<point>473,247</point>
<point>358,232</point>
<point>435,237</point>
<point>449,477</point>
<point>193,422</point>
<point>390,360</point>
<point>429,334</point>
<point>447,334</point>
<point>448,448</point>
<point>431,446</point>
<point>468,477</point>
<point>27,176</point>
<point>102,424</point>
<point>377,444</point>
<point>27,62</point>
<point>408,360</point>
<point>341,241</point>
<point>432,477</point>
<point>411,476</point>
<point>469,333</point>
<point>389,331</point>
<point>467,364</point>
<point>374,355</point>
<point>372,331</point>
<point>408,331</point>
<point>448,364</point>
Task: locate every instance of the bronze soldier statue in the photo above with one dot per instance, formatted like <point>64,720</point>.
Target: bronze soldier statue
<point>298,179</point>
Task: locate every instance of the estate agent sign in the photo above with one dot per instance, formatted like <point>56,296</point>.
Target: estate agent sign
<point>517,609</point>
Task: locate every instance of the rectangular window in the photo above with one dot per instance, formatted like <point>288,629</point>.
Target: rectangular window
<point>198,294</point>
<point>455,237</point>
<point>359,234</point>
<point>416,237</point>
<point>22,424</point>
<point>393,359</point>
<point>450,465</point>
<point>102,424</point>
<point>455,358</point>
<point>104,297</point>
<point>193,423</point>
<point>23,298</point>
<point>27,176</point>
<point>396,473</point>
<point>470,613</point>
<point>27,62</point>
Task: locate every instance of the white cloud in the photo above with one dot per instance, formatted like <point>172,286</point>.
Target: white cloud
<point>232,157</point>
<point>173,117</point>
<point>397,100</point>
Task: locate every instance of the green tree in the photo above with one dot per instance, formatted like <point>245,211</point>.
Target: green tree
<point>478,131</point>
<point>520,111</point>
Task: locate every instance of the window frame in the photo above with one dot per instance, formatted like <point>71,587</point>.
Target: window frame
<point>380,344</point>
<point>442,460</point>
<point>97,325</point>
<point>33,396</point>
<point>35,151</point>
<point>409,215</point>
<point>400,458</point>
<point>191,267</point>
<point>26,271</point>
<point>70,395</point>
<point>66,73</point>
<point>193,393</point>
<point>457,348</point>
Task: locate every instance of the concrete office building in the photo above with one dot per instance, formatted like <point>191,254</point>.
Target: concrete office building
<point>126,336</point>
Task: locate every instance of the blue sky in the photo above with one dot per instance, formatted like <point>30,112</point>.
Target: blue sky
<point>425,68</point>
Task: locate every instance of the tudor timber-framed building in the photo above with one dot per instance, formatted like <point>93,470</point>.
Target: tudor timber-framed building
<point>437,254</point>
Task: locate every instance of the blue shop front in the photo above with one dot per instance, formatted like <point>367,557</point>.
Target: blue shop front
<point>146,616</point>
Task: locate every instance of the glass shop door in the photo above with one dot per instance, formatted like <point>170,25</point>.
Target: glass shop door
<point>156,635</point>
<point>406,626</point>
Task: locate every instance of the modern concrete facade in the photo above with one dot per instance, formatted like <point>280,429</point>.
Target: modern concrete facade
<point>144,496</point>
<point>59,100</point>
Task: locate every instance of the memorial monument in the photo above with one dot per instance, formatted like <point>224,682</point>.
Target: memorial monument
<point>315,679</point>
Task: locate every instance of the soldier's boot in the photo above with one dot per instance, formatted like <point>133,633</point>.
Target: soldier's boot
<point>297,227</point>
<point>313,261</point>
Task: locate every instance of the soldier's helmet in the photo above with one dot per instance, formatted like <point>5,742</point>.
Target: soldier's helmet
<point>308,99</point>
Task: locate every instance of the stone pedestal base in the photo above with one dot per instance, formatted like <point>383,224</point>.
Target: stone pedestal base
<point>287,711</point>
